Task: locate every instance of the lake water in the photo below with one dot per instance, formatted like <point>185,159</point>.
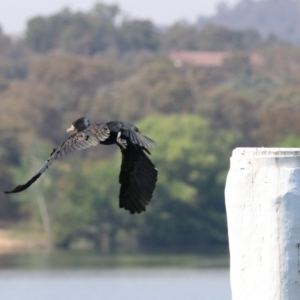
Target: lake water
<point>64,276</point>
<point>131,284</point>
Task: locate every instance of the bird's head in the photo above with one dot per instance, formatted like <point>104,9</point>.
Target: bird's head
<point>79,125</point>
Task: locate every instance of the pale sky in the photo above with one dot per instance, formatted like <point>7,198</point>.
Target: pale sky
<point>15,13</point>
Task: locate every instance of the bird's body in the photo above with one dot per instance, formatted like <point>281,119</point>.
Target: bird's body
<point>138,174</point>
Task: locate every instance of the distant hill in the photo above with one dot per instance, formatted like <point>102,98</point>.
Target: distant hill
<point>270,17</point>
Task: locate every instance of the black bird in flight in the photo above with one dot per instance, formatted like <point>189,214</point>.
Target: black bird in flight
<point>138,174</point>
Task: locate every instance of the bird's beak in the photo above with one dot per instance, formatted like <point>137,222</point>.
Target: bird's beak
<point>71,129</point>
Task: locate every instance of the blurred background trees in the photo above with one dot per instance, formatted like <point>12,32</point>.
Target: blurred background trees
<point>199,90</point>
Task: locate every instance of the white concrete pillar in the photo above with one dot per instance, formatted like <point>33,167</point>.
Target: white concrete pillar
<point>263,212</point>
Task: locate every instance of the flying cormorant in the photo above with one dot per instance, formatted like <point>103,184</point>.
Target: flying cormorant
<point>138,174</point>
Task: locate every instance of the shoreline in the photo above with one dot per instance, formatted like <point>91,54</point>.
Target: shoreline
<point>11,244</point>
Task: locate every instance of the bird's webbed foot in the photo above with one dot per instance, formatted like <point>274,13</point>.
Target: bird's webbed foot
<point>122,143</point>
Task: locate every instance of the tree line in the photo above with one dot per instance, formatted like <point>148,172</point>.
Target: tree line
<point>86,64</point>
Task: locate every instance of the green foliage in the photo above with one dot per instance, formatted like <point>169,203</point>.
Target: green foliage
<point>9,210</point>
<point>78,33</point>
<point>24,206</point>
<point>90,211</point>
<point>233,112</point>
<point>190,188</point>
<point>286,97</point>
<point>290,141</point>
<point>104,66</point>
<point>104,28</point>
<point>220,38</point>
<point>238,64</point>
<point>180,37</point>
<point>155,86</point>
<point>191,165</point>
<point>90,33</point>
<point>137,35</point>
<point>210,38</point>
<point>40,36</point>
<point>256,87</point>
<point>13,59</point>
<point>275,125</point>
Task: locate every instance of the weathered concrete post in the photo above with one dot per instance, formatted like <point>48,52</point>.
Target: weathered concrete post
<point>263,212</point>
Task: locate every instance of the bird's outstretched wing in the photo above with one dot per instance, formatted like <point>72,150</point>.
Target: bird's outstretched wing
<point>138,178</point>
<point>78,141</point>
<point>138,138</point>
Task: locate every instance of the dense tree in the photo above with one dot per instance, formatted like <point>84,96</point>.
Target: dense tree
<point>180,37</point>
<point>190,189</point>
<point>191,169</point>
<point>210,38</point>
<point>76,32</point>
<point>285,97</point>
<point>156,86</point>
<point>290,141</point>
<point>104,66</point>
<point>282,62</point>
<point>219,38</point>
<point>39,36</point>
<point>137,35</point>
<point>233,112</point>
<point>90,33</point>
<point>275,125</point>
<point>238,64</point>
<point>13,59</point>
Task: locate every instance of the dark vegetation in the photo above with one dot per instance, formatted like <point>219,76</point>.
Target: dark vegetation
<point>101,65</point>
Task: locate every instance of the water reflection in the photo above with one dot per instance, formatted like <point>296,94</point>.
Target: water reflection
<point>133,284</point>
<point>87,260</point>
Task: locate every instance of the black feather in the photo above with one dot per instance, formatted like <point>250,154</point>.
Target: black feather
<point>138,174</point>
